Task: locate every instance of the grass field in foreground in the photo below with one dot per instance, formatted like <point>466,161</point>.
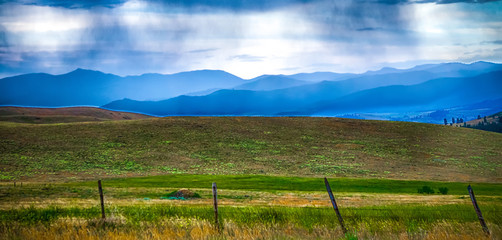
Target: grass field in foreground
<point>248,145</point>
<point>410,219</point>
<point>251,207</point>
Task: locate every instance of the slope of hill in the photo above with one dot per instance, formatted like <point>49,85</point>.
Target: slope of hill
<point>249,145</point>
<point>63,115</point>
<point>222,102</point>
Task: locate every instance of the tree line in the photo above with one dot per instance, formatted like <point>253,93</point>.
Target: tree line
<point>492,126</point>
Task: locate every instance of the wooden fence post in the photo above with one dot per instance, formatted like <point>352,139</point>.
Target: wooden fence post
<point>478,211</point>
<point>215,205</point>
<point>102,200</point>
<point>333,202</point>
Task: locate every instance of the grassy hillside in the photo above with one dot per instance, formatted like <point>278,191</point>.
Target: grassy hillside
<point>63,115</point>
<point>248,145</point>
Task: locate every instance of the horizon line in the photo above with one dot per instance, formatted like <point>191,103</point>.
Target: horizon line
<point>265,74</point>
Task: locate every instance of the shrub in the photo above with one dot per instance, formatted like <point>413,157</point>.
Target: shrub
<point>443,190</point>
<point>181,194</point>
<point>426,190</point>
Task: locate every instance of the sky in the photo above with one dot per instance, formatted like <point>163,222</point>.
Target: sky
<point>247,38</point>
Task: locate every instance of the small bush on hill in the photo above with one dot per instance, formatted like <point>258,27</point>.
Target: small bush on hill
<point>443,190</point>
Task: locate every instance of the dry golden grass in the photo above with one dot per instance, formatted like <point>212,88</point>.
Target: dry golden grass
<point>199,229</point>
<point>254,198</point>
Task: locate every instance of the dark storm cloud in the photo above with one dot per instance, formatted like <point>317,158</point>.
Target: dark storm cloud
<point>108,38</point>
<point>106,42</point>
<point>357,22</point>
<point>110,41</point>
<point>231,5</point>
<point>155,36</point>
<point>104,32</point>
<point>70,4</point>
<point>234,5</point>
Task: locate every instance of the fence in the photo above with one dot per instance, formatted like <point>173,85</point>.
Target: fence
<point>353,213</point>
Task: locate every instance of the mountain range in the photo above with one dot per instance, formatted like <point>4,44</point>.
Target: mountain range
<point>396,92</point>
<point>93,88</point>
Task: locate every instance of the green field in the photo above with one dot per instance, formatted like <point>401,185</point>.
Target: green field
<point>237,145</point>
<point>251,207</point>
<point>273,183</point>
<point>269,173</point>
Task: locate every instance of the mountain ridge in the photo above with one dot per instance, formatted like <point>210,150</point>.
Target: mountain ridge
<point>95,88</point>
<point>216,92</point>
<point>286,101</point>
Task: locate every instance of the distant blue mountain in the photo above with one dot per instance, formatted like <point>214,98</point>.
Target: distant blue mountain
<point>434,94</point>
<point>428,88</point>
<point>87,87</point>
<point>445,69</point>
<point>327,98</point>
<point>80,87</point>
<point>160,87</point>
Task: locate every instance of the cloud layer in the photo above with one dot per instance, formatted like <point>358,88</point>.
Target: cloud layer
<point>247,38</point>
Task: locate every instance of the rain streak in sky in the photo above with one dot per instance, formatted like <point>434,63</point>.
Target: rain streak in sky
<point>246,38</point>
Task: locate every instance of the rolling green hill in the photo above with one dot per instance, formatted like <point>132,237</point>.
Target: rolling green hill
<point>248,145</point>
